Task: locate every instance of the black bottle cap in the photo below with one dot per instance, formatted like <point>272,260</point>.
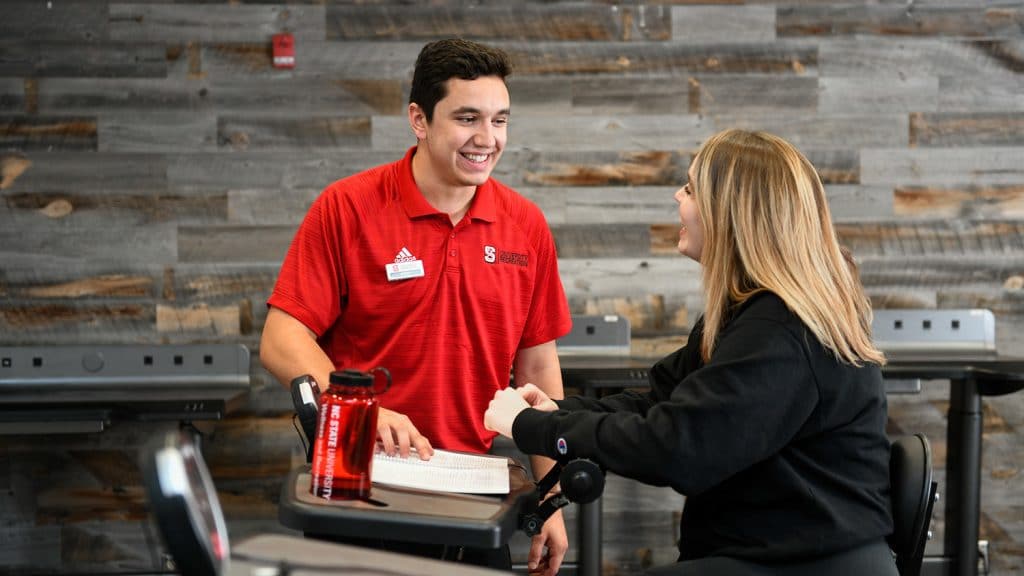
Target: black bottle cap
<point>350,377</point>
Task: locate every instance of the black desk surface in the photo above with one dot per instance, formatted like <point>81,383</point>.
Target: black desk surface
<point>994,375</point>
<point>410,515</point>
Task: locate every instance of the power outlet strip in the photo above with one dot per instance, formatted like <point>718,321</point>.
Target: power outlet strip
<point>116,366</point>
<point>596,334</point>
<point>67,389</point>
<point>968,331</point>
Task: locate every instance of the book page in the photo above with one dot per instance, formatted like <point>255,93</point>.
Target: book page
<point>445,472</point>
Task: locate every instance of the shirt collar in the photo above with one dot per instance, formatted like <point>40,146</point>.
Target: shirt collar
<point>416,205</point>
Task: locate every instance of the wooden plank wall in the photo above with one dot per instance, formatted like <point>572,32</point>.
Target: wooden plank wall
<point>154,166</point>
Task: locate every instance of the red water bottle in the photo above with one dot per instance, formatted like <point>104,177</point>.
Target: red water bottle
<point>345,436</point>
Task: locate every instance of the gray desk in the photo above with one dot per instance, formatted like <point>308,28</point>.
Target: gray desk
<point>82,388</point>
<point>970,379</point>
<point>408,515</point>
<point>279,555</point>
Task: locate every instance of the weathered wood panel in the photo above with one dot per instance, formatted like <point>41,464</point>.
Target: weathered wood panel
<point>535,21</point>
<point>253,132</point>
<point>601,241</point>
<point>48,133</point>
<point>12,96</point>
<point>836,166</point>
<point>552,201</point>
<point>659,94</point>
<point>940,272</point>
<point>972,202</point>
<point>220,283</point>
<point>752,92</point>
<point>592,169</point>
<point>201,320</point>
<point>537,96</point>
<point>212,23</point>
<point>933,238</point>
<point>115,95</point>
<point>898,20</point>
<point>873,94</point>
<point>543,58</point>
<point>82,172</point>
<point>579,133</point>
<point>886,57</point>
<point>157,132</point>
<point>84,22</point>
<point>234,243</point>
<point>101,286</point>
<point>982,166</point>
<point>124,209</point>
<point>604,126</point>
<point>711,24</point>
<point>819,131</point>
<point>27,322</point>
<point>106,60</point>
<point>965,94</point>
<point>155,243</point>
<point>853,202</point>
<point>673,276</point>
<point>348,60</point>
<point>264,206</point>
<point>308,95</point>
<point>621,205</point>
<point>288,170</point>
<point>967,129</point>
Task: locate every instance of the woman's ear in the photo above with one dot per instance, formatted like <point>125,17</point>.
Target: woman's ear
<point>417,121</point>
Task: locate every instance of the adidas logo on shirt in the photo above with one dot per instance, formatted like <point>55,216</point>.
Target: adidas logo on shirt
<point>404,255</point>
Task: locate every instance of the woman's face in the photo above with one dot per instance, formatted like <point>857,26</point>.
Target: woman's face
<point>691,235</point>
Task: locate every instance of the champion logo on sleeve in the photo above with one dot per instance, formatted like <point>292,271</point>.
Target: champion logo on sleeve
<point>562,446</point>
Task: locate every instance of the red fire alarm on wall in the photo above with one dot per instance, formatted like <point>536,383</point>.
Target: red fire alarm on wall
<point>284,51</point>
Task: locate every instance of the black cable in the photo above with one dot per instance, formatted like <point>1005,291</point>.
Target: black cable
<point>302,435</point>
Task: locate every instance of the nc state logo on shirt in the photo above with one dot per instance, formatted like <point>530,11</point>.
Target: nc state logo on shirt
<point>492,255</point>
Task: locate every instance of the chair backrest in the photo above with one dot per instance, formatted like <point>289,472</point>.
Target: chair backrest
<point>913,496</point>
<point>184,503</point>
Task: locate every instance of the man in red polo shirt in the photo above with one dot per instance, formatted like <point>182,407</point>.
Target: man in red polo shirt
<point>433,270</point>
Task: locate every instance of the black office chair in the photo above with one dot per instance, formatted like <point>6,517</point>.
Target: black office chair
<point>913,496</point>
<point>184,502</point>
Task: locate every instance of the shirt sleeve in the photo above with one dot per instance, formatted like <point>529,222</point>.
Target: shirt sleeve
<point>312,284</point>
<point>549,310</point>
<point>744,405</point>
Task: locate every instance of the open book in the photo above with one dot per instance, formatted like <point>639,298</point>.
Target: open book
<point>445,472</point>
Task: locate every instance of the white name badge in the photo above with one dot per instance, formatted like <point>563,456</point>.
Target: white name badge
<point>404,270</point>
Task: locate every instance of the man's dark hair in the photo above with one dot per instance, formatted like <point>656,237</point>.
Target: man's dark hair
<point>443,60</point>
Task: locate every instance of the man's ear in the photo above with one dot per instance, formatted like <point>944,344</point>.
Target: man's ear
<point>417,121</point>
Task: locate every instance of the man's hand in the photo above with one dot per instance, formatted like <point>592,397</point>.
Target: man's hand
<point>502,411</point>
<point>553,538</point>
<point>397,433</point>
<point>536,398</point>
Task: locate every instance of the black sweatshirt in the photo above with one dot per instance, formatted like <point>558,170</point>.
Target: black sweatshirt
<point>779,447</point>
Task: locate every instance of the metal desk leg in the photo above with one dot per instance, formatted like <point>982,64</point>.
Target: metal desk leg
<point>588,524</point>
<point>963,477</point>
<point>589,529</point>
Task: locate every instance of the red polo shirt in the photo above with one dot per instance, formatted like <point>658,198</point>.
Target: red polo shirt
<point>489,286</point>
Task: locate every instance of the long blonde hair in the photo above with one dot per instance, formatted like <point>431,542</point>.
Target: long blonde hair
<point>767,227</point>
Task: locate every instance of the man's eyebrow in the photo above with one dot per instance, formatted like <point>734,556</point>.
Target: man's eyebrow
<point>472,110</point>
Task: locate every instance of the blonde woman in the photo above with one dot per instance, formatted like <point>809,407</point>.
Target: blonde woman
<point>771,420</point>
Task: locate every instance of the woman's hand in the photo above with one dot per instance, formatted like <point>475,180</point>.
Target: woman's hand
<point>536,398</point>
<point>502,411</point>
